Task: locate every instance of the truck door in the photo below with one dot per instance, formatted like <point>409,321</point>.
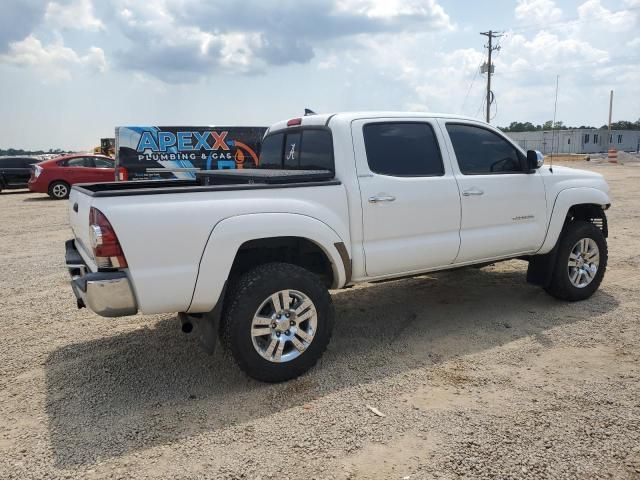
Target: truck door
<point>410,200</point>
<point>504,210</point>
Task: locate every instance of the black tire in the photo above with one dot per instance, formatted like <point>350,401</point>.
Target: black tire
<point>59,190</point>
<point>561,286</point>
<point>244,298</point>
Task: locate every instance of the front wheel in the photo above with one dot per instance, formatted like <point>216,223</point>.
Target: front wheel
<point>580,262</point>
<point>278,321</point>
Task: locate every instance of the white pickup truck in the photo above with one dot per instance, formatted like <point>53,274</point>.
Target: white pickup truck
<point>338,200</point>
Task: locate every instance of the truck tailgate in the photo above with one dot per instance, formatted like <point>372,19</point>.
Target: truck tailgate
<point>79,206</point>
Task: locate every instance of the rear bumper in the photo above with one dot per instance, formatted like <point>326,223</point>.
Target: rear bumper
<point>108,294</point>
<point>36,185</point>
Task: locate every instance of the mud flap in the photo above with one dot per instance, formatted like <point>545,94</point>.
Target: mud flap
<point>206,325</point>
<point>541,268</point>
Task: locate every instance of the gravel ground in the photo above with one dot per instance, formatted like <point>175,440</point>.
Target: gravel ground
<point>478,374</point>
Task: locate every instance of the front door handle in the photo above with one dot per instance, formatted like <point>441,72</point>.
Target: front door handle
<point>472,191</point>
<point>381,198</point>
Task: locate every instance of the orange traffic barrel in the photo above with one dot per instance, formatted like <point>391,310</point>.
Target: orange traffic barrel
<point>613,155</point>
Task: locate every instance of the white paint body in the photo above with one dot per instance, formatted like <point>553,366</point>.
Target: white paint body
<point>180,246</point>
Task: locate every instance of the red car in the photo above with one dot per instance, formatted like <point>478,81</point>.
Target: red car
<point>56,176</point>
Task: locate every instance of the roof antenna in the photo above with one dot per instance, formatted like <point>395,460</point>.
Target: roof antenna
<point>308,111</point>
<point>553,126</point>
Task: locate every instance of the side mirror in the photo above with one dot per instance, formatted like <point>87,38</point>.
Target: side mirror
<point>535,160</point>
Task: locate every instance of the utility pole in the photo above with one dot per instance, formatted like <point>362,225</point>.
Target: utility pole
<point>610,111</point>
<point>488,68</point>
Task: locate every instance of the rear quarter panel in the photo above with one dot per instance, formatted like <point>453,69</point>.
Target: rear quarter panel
<point>164,236</point>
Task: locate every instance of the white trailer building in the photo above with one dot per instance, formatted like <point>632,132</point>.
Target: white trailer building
<point>580,140</point>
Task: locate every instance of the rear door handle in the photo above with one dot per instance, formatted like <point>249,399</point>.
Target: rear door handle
<point>75,207</point>
<point>381,198</point>
<point>472,191</point>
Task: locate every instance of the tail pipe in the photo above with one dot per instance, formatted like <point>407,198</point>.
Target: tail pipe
<point>203,325</point>
<point>186,325</point>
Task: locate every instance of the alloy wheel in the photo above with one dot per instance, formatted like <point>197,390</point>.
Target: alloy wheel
<point>583,263</point>
<point>284,326</point>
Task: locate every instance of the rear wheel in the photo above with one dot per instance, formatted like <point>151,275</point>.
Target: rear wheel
<point>278,321</point>
<point>580,263</point>
<point>59,190</point>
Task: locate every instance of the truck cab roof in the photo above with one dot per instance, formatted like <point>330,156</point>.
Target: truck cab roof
<point>323,119</point>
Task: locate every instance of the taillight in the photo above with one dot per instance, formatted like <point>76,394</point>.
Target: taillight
<point>104,242</point>
<point>37,170</point>
<point>123,175</point>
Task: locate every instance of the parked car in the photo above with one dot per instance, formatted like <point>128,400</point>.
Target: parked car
<point>15,172</point>
<point>56,176</point>
<point>361,197</point>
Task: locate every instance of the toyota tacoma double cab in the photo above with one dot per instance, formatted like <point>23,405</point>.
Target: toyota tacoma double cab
<point>250,255</point>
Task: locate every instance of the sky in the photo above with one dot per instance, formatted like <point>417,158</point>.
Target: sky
<point>72,70</point>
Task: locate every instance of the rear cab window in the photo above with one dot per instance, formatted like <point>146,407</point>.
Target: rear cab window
<point>307,148</point>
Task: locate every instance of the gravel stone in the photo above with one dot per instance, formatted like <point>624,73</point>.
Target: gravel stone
<point>486,376</point>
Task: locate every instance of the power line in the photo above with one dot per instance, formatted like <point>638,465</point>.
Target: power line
<point>475,75</point>
<point>566,66</point>
<point>480,107</point>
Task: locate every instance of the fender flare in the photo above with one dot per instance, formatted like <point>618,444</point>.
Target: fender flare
<point>228,235</point>
<point>564,201</point>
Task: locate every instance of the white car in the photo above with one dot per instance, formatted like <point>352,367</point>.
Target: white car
<point>338,200</point>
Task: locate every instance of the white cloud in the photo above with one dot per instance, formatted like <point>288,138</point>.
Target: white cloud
<point>538,11</point>
<point>237,50</point>
<point>258,36</point>
<point>77,14</point>
<point>548,51</point>
<point>396,8</point>
<point>602,17</point>
<point>433,84</point>
<point>95,59</point>
<point>52,62</point>
<point>328,63</point>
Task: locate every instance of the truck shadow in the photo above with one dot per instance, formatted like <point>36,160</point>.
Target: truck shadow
<point>114,396</point>
<point>42,198</point>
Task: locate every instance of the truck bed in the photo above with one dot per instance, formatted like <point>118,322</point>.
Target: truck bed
<point>213,180</point>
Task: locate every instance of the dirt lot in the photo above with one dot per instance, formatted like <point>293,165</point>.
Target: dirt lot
<point>479,375</point>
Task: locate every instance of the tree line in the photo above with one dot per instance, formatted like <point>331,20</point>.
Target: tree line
<point>15,152</point>
<point>559,125</point>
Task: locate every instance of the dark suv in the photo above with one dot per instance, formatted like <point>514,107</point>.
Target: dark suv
<point>15,171</point>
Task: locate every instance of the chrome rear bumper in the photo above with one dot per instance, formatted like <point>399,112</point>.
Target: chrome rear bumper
<point>108,294</point>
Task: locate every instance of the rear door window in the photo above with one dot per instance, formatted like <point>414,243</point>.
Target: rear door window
<point>102,162</point>
<point>76,162</point>
<point>402,149</point>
